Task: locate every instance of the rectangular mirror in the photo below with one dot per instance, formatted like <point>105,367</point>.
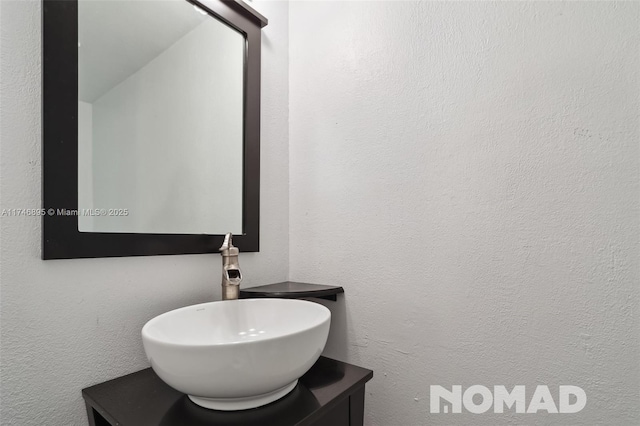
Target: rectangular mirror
<point>160,111</point>
<point>150,126</point>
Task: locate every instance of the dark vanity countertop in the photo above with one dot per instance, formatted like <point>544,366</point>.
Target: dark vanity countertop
<point>142,399</point>
<point>292,290</point>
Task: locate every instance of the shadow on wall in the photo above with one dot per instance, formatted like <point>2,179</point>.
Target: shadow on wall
<point>338,346</point>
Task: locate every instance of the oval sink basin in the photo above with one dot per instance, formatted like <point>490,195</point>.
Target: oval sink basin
<point>236,354</point>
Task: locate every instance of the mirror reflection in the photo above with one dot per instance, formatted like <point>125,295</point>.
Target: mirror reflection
<point>160,119</point>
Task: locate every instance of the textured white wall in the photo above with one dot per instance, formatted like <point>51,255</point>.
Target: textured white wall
<point>69,324</point>
<point>469,173</point>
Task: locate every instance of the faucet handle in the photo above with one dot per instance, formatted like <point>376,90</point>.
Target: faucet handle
<point>227,244</point>
<point>227,248</point>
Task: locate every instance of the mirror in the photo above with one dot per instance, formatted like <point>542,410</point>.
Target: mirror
<point>151,126</point>
<point>160,111</point>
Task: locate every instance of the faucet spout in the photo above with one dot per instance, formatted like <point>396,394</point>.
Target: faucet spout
<point>231,275</point>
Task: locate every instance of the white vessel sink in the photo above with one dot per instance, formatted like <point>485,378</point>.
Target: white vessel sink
<point>236,354</point>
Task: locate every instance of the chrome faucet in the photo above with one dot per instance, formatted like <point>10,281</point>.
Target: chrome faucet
<point>231,275</point>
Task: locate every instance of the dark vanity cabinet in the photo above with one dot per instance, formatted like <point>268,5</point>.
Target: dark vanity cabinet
<point>331,393</point>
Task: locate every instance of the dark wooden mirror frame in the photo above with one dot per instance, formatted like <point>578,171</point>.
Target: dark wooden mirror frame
<point>60,236</point>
